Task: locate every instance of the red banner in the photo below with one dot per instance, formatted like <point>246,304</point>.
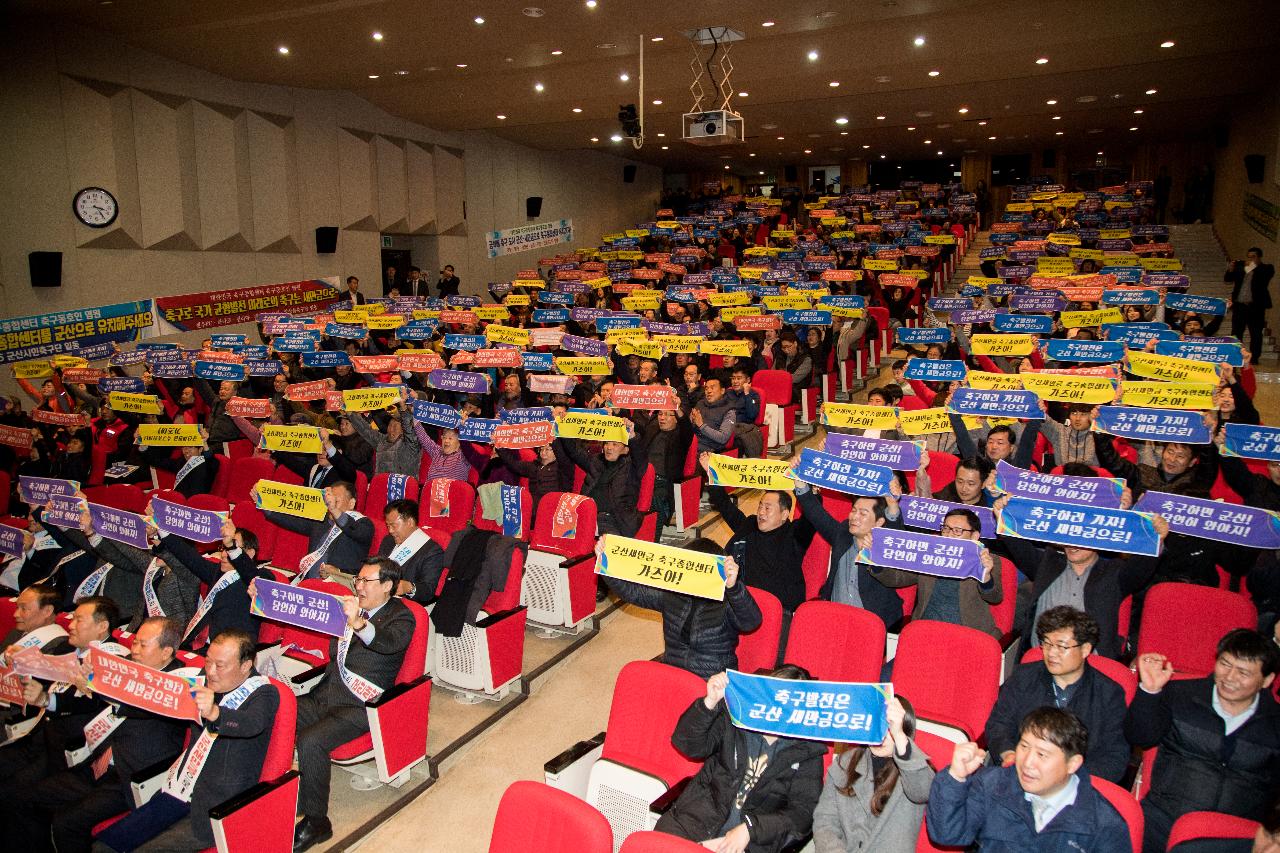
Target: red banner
<point>895,279</point>
<point>498,358</point>
<point>303,392</point>
<point>44,416</point>
<point>374,363</point>
<point>15,437</point>
<point>333,401</point>
<point>127,681</point>
<point>644,397</point>
<point>421,362</point>
<point>757,322</point>
<point>458,317</point>
<point>522,436</point>
<point>242,305</point>
<point>11,689</point>
<point>83,375</point>
<point>839,275</point>
<point>244,407</point>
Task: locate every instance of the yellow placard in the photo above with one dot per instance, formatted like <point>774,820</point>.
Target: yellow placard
<point>858,416</point>
<point>1082,319</point>
<point>939,239</point>
<point>373,309</point>
<point>750,272</point>
<point>302,501</point>
<point>1114,234</point>
<point>497,334</point>
<point>1168,395</point>
<point>887,265</point>
<point>741,349</point>
<point>644,349</point>
<point>983,281</point>
<point>931,421</point>
<point>724,300</point>
<point>1161,264</point>
<point>920,275</point>
<point>613,336</point>
<point>583,365</point>
<point>851,313</point>
<point>641,303</point>
<point>139,404</point>
<point>516,299</point>
<point>350,318</point>
<point>591,427</point>
<point>293,439</point>
<point>426,314</point>
<point>637,232</point>
<point>385,321</point>
<point>492,312</point>
<point>1018,207</point>
<point>169,435</point>
<point>629,255</point>
<point>65,360</point>
<point>1169,368</point>
<point>1006,345</point>
<point>1061,238</point>
<point>1080,254</point>
<point>751,473</point>
<point>984,380</point>
<point>679,343</point>
<point>661,566</point>
<point>783,234</point>
<point>599,283</point>
<point>731,314</point>
<point>32,370</point>
<point>1094,390</point>
<point>1054,266</point>
<point>369,399</point>
<point>529,282</point>
<point>786,301</point>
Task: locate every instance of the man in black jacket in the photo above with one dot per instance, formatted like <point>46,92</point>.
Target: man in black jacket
<point>612,482</point>
<point>420,558</point>
<point>362,665</point>
<point>237,713</point>
<point>341,539</point>
<point>1064,680</point>
<point>1219,737</point>
<point>225,604</point>
<point>1250,298</point>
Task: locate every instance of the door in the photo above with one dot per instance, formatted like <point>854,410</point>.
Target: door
<point>395,268</point>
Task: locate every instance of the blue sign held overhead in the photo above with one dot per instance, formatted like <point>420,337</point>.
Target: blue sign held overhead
<point>814,710</point>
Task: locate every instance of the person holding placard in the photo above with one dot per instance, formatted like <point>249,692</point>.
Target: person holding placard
<point>86,567</point>
<point>713,416</point>
<point>34,625</point>
<point>698,634</point>
<point>420,558</point>
<point>39,555</point>
<point>874,796</point>
<point>551,469</point>
<point>225,604</point>
<point>755,792</point>
<point>341,539</point>
<point>612,481</point>
<point>398,450</point>
<point>1262,567</point>
<point>194,474</point>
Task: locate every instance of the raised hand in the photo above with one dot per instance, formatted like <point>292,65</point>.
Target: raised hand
<point>1154,671</point>
<point>716,685</point>
<point>730,572</point>
<point>966,759</point>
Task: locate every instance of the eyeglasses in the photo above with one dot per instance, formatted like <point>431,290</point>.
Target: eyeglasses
<point>361,580</point>
<point>956,531</point>
<point>1045,645</point>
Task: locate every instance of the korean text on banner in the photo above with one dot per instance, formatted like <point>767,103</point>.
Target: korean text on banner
<point>119,525</point>
<point>815,710</point>
<point>510,241</point>
<point>661,566</point>
<point>169,435</point>
<point>1153,424</point>
<point>524,436</point>
<point>298,606</point>
<point>138,404</point>
<point>37,490</point>
<point>896,455</point>
<point>369,399</point>
<point>1208,519</point>
<point>89,332</point>
<point>1061,488</point>
<point>831,472</point>
<point>198,525</point>
<point>302,501</point>
<point>1168,395</point>
<point>1094,390</point>
<point>924,553</point>
<point>1125,531</point>
<point>651,397</point>
<point>1252,442</point>
<point>750,473</point>
<point>1170,368</point>
<point>929,513</point>
<point>591,427</point>
<point>127,681</point>
<point>857,416</point>
<point>211,309</point>
<point>292,439</point>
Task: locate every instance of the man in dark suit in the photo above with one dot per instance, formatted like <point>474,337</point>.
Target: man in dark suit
<point>33,622</point>
<point>362,665</point>
<point>448,284</point>
<point>195,473</point>
<point>322,469</point>
<point>1064,680</point>
<point>420,558</point>
<point>353,291</point>
<point>237,713</point>
<point>416,285</point>
<point>225,605</point>
<point>1250,298</point>
<point>341,540</point>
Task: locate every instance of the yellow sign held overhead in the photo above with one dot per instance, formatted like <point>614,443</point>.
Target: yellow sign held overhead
<point>661,566</point>
<point>292,439</point>
<point>300,501</point>
<point>772,474</point>
<point>856,416</point>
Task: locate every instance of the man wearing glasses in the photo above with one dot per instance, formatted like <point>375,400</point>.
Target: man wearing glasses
<point>958,601</point>
<point>1063,679</point>
<point>362,664</point>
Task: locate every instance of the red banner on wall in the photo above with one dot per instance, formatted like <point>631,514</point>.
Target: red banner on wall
<point>242,305</point>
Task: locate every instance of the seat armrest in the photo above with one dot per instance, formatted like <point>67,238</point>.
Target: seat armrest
<point>146,782</point>
<point>570,771</point>
<point>661,805</point>
<point>573,562</point>
<point>389,696</point>
<point>224,809</point>
<point>314,672</point>
<point>494,619</point>
<point>573,753</point>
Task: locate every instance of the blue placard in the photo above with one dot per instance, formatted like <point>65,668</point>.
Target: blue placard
<point>258,352</point>
<point>1093,352</point>
<point>1152,424</point>
<point>1138,335</point>
<point>418,330</point>
<point>891,454</point>
<point>1198,304</point>
<point>470,343</point>
<point>1031,324</point>
<point>436,414</point>
<point>223,341</point>
<point>347,331</point>
<point>172,370</point>
<point>813,710</point>
<point>936,370</point>
<point>1216,520</point>
<point>294,343</point>
<point>478,429</point>
<point>799,317</point>
<point>550,315</point>
<point>125,384</point>
<point>1131,297</point>
<point>923,335</point>
<point>512,510</point>
<point>924,553</point>
<point>929,513</point>
<point>555,297</point>
<point>617,321</point>
<point>326,358</point>
<point>538,362</point>
<point>1201,351</point>
<point>527,416</point>
<point>1037,302</point>
<point>994,403</point>
<point>1251,442</point>
<point>264,367</point>
<point>973,316</point>
<point>1062,488</point>
<point>832,472</point>
<point>220,371</point>
<point>1119,530</point>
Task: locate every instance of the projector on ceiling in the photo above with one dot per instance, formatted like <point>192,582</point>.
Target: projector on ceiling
<point>715,127</point>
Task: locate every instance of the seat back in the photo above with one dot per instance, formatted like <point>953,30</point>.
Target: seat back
<point>583,538</point>
<point>285,474</point>
<point>1196,825</point>
<point>942,469</point>
<point>375,502</point>
<point>648,699</point>
<point>815,566</point>
<point>646,841</point>
<point>246,516</point>
<point>221,479</point>
<point>836,642</point>
<point>758,649</point>
<point>1191,644</point>
<point>1004,612</point>
<point>526,516</point>
<point>241,448</point>
<point>951,673</point>
<point>507,598</point>
<point>533,816</point>
<point>458,506</point>
<point>212,503</point>
<point>645,502</point>
<point>125,496</point>
<point>1124,803</point>
<point>244,474</point>
<point>279,758</point>
<point>774,386</point>
<point>415,656</point>
<point>1113,669</point>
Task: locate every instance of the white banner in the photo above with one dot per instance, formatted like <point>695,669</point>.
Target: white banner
<point>509,241</point>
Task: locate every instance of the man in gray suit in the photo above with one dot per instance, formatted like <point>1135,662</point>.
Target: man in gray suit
<point>362,665</point>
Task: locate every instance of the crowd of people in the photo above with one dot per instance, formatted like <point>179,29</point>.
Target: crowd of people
<point>688,309</point>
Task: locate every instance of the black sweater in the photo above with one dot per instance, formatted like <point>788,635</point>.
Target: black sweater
<point>767,560</point>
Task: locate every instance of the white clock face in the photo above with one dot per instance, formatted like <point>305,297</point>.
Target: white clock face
<point>95,207</point>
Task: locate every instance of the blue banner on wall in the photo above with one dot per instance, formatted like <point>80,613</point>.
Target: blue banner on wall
<point>73,331</point>
<point>1124,531</point>
<point>836,711</point>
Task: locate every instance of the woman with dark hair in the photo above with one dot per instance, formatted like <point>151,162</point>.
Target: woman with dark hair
<point>874,796</point>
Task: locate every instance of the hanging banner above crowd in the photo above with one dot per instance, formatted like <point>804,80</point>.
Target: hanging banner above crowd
<point>510,241</point>
<point>215,308</point>
<point>87,332</point>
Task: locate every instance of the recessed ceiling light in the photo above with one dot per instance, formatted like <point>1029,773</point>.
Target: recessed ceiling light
<point>808,150</point>
<point>982,123</point>
<point>1162,44</point>
<point>842,120</point>
<point>1137,112</point>
<point>538,87</point>
<point>762,173</point>
<point>479,20</point>
<point>879,118</point>
<point>767,24</point>
<point>780,138</point>
<point>911,127</point>
<point>373,76</point>
<point>939,153</point>
<point>501,117</point>
<point>726,166</point>
<point>1152,91</point>
<point>990,137</point>
<point>591,4</point>
<point>557,53</point>
<point>1044,60</point>
<point>607,45</point>
<point>666,147</point>
<point>1099,153</point>
<point>919,41</point>
<point>661,135</point>
<point>624,76</point>
<point>595,139</point>
<point>577,109</point>
<point>813,56</point>
<point>883,78</point>
<point>866,147</point>
<point>844,133</point>
<point>923,114</point>
<point>532,12</point>
<point>377,36</point>
<point>744,94</point>
<point>1059,133</point>
<point>928,142</point>
<point>963,110</point>
<point>1086,99</point>
<point>617,137</point>
<point>508,59</point>
<point>1057,118</point>
<point>881,156</point>
<point>657,102</point>
<point>656,38</point>
<point>752,154</point>
<point>1051,101</point>
<point>282,50</point>
<point>1133,128</point>
<point>834,84</point>
<point>934,73</point>
<point>462,65</point>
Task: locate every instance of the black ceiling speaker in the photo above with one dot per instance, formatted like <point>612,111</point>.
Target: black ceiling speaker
<point>46,269</point>
<point>629,173</point>
<point>533,206</point>
<point>1254,166</point>
<point>326,239</point>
